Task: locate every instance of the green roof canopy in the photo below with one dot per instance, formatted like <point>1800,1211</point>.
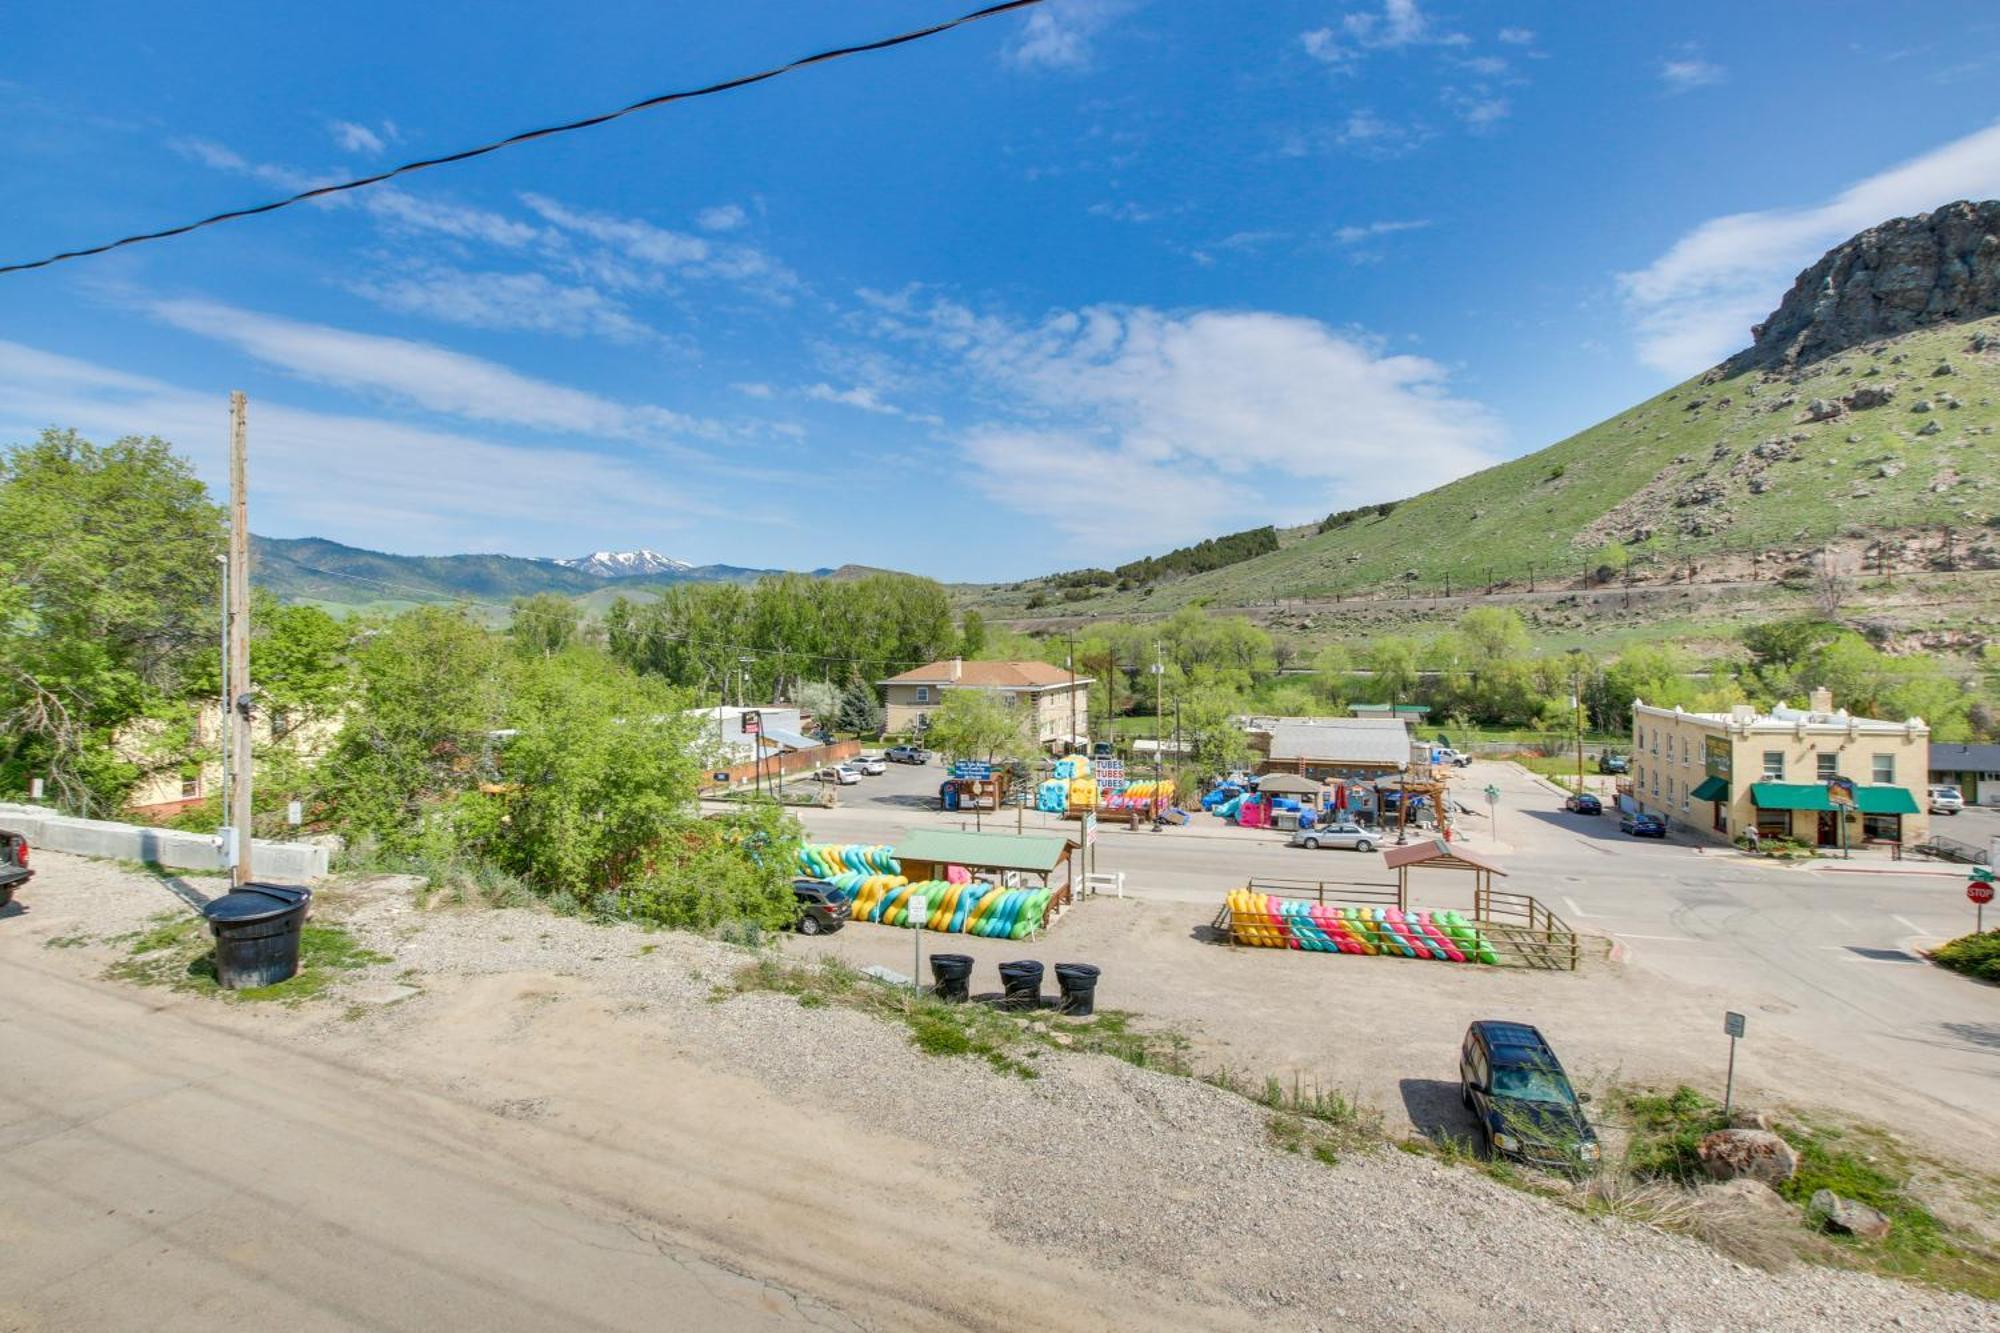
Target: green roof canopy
<point>1711,789</point>
<point>1789,796</point>
<point>989,851</point>
<point>1884,801</point>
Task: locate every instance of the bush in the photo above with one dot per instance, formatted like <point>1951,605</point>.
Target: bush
<point>1975,955</point>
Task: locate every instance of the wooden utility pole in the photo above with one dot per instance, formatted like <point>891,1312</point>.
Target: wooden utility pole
<point>239,637</point>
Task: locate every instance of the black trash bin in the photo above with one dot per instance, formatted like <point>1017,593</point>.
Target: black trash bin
<point>256,931</point>
<point>952,973</point>
<point>1022,983</point>
<point>1079,988</point>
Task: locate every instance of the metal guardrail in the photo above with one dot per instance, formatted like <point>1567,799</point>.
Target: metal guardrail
<point>1951,849</point>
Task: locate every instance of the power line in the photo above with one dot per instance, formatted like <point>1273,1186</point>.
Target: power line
<point>525,136</point>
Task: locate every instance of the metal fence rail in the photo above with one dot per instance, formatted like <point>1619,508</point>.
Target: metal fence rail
<point>1519,930</point>
<point>1951,849</point>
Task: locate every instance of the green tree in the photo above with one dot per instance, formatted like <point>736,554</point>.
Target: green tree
<point>860,710</point>
<point>971,634</point>
<point>1333,668</point>
<point>1393,660</point>
<point>545,624</point>
<point>429,695</point>
<point>977,724</point>
<point>108,588</point>
<point>819,700</point>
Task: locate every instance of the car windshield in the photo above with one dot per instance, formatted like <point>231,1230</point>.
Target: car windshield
<point>1529,1083</point>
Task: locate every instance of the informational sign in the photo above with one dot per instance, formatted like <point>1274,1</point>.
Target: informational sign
<point>1840,791</point>
<point>1715,757</point>
<point>295,813</point>
<point>1733,1024</point>
<point>720,775</point>
<point>917,912</point>
<point>969,769</point>
<point>753,722</point>
<point>1108,770</point>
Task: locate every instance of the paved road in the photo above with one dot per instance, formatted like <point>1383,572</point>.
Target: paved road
<point>164,1171</point>
<point>1820,955</point>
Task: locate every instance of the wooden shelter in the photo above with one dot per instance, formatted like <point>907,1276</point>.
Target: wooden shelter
<point>1444,855</point>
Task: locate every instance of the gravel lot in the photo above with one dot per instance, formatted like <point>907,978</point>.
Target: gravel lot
<point>1163,1185</point>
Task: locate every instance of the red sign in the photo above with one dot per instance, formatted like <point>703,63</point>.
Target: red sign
<point>753,722</point>
<point>1979,892</point>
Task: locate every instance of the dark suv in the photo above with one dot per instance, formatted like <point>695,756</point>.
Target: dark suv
<point>14,870</point>
<point>823,909</point>
<point>1511,1080</point>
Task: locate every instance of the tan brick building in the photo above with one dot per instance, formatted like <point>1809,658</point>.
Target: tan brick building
<point>1061,701</point>
<point>1720,774</point>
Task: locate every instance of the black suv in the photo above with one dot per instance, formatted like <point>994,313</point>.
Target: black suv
<point>1527,1110</point>
<point>14,870</point>
<point>823,909</point>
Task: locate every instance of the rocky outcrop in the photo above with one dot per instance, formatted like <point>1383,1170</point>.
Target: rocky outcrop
<point>1941,267</point>
<point>1759,1154</point>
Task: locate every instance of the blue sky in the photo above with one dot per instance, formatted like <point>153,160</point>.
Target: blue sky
<point>1059,288</point>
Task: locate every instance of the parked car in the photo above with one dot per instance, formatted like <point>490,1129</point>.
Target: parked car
<point>1613,763</point>
<point>1509,1077</point>
<point>1350,837</point>
<point>1640,824</point>
<point>1583,803</point>
<point>840,774</point>
<point>908,754</point>
<point>823,909</point>
<point>14,871</point>
<point>869,765</point>
<point>1947,800</point>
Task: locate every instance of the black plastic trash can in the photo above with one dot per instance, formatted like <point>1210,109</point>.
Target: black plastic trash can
<point>256,931</point>
<point>952,975</point>
<point>1079,988</point>
<point>1022,984</point>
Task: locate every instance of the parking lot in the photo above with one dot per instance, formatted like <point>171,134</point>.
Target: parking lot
<point>1843,1012</point>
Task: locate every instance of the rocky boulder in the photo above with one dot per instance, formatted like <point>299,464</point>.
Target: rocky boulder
<point>1847,1217</point>
<point>1759,1154</point>
<point>1940,267</point>
<point>1870,395</point>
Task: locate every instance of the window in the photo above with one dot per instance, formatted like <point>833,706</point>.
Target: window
<point>1774,823</point>
<point>1888,828</point>
<point>1774,765</point>
<point>190,788</point>
<point>1829,766</point>
<point>1656,740</point>
<point>923,694</point>
<point>1884,769</point>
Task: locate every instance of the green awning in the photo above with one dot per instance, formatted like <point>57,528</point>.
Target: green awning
<point>984,851</point>
<point>1711,789</point>
<point>1884,801</point>
<point>1788,796</point>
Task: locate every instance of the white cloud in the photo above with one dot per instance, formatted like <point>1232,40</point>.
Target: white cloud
<point>489,300</point>
<point>1354,234</point>
<point>1694,305</point>
<point>1683,75</point>
<point>859,396</point>
<point>659,251</point>
<point>1126,211</point>
<point>1371,135</point>
<point>754,389</point>
<point>354,138</point>
<point>1479,108</point>
<point>1398,24</point>
<point>365,480</point>
<point>399,209</point>
<point>1131,428</point>
<point>1517,36</point>
<point>431,377</point>
<point>1060,33</point>
<point>722,217</point>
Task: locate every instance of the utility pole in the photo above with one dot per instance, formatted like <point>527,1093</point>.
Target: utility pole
<point>238,715</point>
<point>1069,660</point>
<point>1576,703</point>
<point>1159,734</point>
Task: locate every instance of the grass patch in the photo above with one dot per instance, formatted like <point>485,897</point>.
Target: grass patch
<point>1975,955</point>
<point>177,952</point>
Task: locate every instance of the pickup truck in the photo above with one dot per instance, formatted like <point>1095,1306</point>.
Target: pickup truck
<point>14,870</point>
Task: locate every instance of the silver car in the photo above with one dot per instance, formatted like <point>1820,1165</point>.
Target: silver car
<point>872,765</point>
<point>1351,837</point>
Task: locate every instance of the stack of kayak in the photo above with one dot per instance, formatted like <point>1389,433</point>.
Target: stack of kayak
<point>1263,921</point>
<point>953,908</point>
<point>824,860</point>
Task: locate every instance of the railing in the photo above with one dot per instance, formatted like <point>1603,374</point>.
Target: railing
<point>1519,930</point>
<point>1951,849</point>
<point>1344,894</point>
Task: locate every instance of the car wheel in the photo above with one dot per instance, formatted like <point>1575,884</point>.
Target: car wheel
<point>809,925</point>
<point>1364,846</point>
<point>1465,1095</point>
<point>1312,844</point>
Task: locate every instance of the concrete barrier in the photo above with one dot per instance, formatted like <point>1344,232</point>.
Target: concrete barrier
<point>279,862</point>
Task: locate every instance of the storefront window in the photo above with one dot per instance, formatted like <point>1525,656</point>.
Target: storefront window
<point>1774,823</point>
<point>1886,827</point>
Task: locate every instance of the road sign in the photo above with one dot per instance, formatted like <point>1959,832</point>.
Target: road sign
<point>1982,874</point>
<point>720,775</point>
<point>1733,1024</point>
<point>1090,831</point>
<point>753,722</point>
<point>1980,892</point>
<point>1492,794</point>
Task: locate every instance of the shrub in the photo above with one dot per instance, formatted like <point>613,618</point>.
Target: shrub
<point>1975,955</point>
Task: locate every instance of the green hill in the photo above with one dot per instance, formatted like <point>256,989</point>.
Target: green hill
<point>1861,422</point>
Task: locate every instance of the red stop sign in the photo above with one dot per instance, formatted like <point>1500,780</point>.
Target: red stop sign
<point>1980,892</point>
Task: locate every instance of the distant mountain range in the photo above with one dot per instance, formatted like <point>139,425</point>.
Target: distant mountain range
<point>626,564</point>
<point>315,569</point>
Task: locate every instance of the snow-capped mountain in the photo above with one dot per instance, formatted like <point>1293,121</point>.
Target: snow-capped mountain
<point>625,564</point>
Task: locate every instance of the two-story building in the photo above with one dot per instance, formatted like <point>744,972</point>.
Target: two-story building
<point>1059,698</point>
<point>1817,774</point>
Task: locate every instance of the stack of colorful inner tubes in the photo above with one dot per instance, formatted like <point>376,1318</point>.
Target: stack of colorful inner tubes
<point>969,908</point>
<point>824,860</point>
<point>1262,921</point>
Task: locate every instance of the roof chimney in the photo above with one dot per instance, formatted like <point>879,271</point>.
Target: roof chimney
<point>957,667</point>
<point>1820,700</point>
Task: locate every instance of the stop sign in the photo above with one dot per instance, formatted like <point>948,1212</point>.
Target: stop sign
<point>1980,892</point>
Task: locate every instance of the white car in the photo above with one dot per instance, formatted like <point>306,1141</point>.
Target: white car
<point>1947,800</point>
<point>872,765</point>
<point>840,774</point>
